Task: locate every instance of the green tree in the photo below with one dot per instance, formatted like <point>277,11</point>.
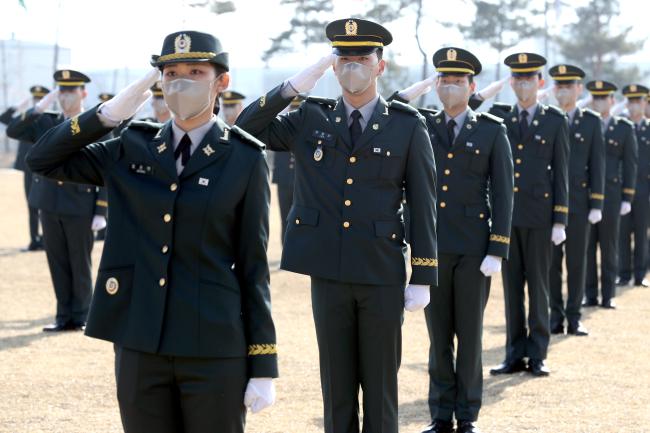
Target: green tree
<point>592,43</point>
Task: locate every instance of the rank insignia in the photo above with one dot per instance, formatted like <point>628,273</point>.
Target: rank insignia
<point>162,148</point>
<point>208,150</point>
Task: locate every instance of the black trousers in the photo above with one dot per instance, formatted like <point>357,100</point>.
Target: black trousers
<point>68,244</point>
<point>32,211</point>
<point>604,234</point>
<point>575,247</point>
<point>456,310</point>
<point>285,197</point>
<point>529,262</point>
<point>634,224</point>
<point>165,394</point>
<point>359,333</point>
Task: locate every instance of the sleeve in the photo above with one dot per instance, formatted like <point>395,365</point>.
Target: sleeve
<point>23,127</point>
<point>560,165</point>
<point>261,119</point>
<point>396,97</point>
<point>101,202</point>
<point>421,199</point>
<point>475,101</point>
<point>630,161</point>
<point>597,169</point>
<point>253,273</point>
<point>65,152</point>
<point>5,118</point>
<point>501,195</point>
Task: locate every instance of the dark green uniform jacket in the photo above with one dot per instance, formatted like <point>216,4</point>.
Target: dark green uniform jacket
<point>184,270</point>
<point>622,154</point>
<point>346,222</point>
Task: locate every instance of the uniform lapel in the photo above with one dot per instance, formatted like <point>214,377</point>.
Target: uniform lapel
<point>534,124</point>
<point>339,119</point>
<point>441,129</point>
<point>376,124</point>
<point>213,146</point>
<point>512,123</point>
<point>162,149</point>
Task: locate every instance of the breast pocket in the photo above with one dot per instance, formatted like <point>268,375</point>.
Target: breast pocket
<point>614,147</point>
<point>543,146</point>
<point>322,149</point>
<point>478,158</point>
<point>301,216</point>
<point>386,160</point>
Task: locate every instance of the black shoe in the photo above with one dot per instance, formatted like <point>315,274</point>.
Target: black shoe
<point>642,283</point>
<point>35,245</point>
<point>439,426</point>
<point>467,427</point>
<point>577,329</point>
<point>558,329</point>
<point>590,303</point>
<point>621,282</point>
<point>57,327</point>
<point>509,367</point>
<point>608,304</point>
<point>77,326</point>
<point>538,368</point>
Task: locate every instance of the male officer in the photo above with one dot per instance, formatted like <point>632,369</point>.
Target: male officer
<point>586,194</point>
<point>37,93</point>
<point>182,288</point>
<point>232,103</point>
<point>540,147</point>
<point>475,182</point>
<point>353,156</point>
<point>284,164</point>
<point>636,222</point>
<point>69,212</point>
<point>620,179</point>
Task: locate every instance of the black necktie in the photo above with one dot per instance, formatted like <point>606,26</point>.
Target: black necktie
<point>355,127</point>
<point>523,124</point>
<point>450,131</point>
<point>183,149</point>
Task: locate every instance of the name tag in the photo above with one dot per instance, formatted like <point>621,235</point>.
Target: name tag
<point>140,168</point>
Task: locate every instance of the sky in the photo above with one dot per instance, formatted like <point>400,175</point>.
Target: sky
<point>122,34</point>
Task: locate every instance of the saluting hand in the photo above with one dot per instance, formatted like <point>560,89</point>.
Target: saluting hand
<point>306,79</point>
<point>47,101</point>
<point>418,89</point>
<point>130,99</point>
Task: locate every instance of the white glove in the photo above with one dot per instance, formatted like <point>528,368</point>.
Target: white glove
<point>543,94</point>
<point>492,89</point>
<point>558,235</point>
<point>416,297</point>
<point>626,207</point>
<point>130,99</point>
<point>306,79</point>
<point>417,89</point>
<point>24,104</point>
<point>595,215</point>
<point>618,108</point>
<point>582,103</point>
<point>491,265</point>
<point>46,102</point>
<point>260,393</point>
<point>99,222</point>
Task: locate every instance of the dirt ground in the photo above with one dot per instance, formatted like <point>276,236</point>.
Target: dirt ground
<point>65,383</point>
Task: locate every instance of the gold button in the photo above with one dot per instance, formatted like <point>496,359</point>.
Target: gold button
<point>520,146</point>
<point>445,187</point>
<point>443,204</point>
<point>388,153</point>
<point>584,184</point>
<point>447,172</point>
<point>393,236</point>
<point>164,249</point>
<point>348,202</point>
<point>517,175</point>
<point>173,187</point>
<point>353,159</point>
<point>59,183</point>
<point>450,155</point>
<point>349,181</point>
<point>516,189</point>
<point>518,161</point>
<point>545,195</point>
<point>297,220</point>
<point>167,218</point>
<point>346,224</point>
<point>481,215</point>
<point>161,282</point>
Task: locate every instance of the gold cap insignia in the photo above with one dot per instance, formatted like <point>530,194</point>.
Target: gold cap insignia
<point>523,58</point>
<point>182,43</point>
<point>112,286</point>
<point>227,95</point>
<point>633,88</point>
<point>562,69</point>
<point>451,54</point>
<point>351,28</point>
<point>599,84</point>
<point>65,75</point>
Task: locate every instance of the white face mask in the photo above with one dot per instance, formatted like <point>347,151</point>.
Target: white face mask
<point>452,95</point>
<point>635,109</point>
<point>354,77</point>
<point>188,98</point>
<point>601,105</point>
<point>565,96</point>
<point>68,100</point>
<point>525,90</point>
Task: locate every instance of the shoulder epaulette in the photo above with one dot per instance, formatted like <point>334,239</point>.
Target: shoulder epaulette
<point>145,125</point>
<point>402,107</point>
<point>247,138</point>
<point>503,107</point>
<point>591,112</point>
<point>490,117</point>
<point>555,110</point>
<point>626,120</point>
<point>322,101</point>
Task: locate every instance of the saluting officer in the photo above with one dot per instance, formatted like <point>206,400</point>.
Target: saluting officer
<point>284,169</point>
<point>475,182</point>
<point>353,155</point>
<point>232,103</point>
<point>620,179</point>
<point>103,97</point>
<point>69,212</point>
<point>183,285</point>
<point>37,93</point>
<point>539,140</point>
<point>160,110</point>
<point>636,222</point>
<point>586,194</point>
